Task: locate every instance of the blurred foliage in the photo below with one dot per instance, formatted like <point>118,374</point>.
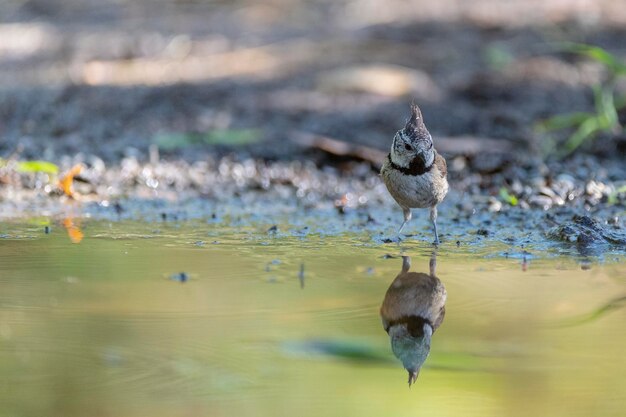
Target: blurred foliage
<point>497,56</point>
<point>65,182</point>
<point>228,137</point>
<point>613,64</point>
<point>604,119</point>
<point>339,349</point>
<point>612,305</point>
<point>33,166</point>
<point>613,198</point>
<point>507,197</point>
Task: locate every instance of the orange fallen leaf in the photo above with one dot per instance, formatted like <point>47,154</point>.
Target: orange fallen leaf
<point>73,230</point>
<point>66,181</point>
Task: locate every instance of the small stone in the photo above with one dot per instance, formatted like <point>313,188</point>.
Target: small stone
<point>495,205</point>
<point>541,201</point>
<point>547,192</point>
<point>180,277</point>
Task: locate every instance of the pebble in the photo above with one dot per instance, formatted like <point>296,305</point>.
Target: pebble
<point>303,183</point>
<point>180,277</point>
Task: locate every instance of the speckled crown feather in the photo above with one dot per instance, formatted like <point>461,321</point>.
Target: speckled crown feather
<point>415,129</point>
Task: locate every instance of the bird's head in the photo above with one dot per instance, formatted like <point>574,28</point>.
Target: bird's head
<point>413,144</point>
<point>411,346</point>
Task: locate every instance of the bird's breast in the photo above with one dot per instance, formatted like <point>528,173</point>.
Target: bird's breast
<point>415,191</point>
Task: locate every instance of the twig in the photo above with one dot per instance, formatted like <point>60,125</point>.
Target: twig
<point>459,145</point>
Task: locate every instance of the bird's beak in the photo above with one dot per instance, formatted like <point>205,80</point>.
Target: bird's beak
<point>422,156</point>
<point>413,376</point>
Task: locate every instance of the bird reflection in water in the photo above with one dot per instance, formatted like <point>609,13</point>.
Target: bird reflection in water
<point>413,309</point>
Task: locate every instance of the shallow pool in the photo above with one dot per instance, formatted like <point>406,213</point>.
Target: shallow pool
<point>197,319</point>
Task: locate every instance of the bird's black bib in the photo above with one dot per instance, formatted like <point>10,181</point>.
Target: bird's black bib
<point>415,168</point>
<point>414,324</point>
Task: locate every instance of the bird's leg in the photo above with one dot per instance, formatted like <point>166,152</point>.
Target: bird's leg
<point>406,263</point>
<point>433,219</point>
<point>407,217</point>
<point>433,263</point>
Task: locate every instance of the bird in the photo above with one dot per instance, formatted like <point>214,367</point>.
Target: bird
<point>412,310</point>
<point>414,173</point>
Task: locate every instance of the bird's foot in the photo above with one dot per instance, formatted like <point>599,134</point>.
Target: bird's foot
<point>399,238</point>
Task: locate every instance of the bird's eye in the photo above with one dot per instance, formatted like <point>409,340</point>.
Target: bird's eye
<point>408,147</point>
<point>430,146</point>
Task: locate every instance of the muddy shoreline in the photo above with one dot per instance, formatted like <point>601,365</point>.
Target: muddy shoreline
<point>526,214</point>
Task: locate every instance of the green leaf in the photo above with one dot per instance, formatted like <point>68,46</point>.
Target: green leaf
<point>508,197</point>
<point>605,117</point>
<point>563,121</point>
<point>620,102</point>
<point>37,166</point>
<point>605,107</point>
<point>600,55</point>
<point>613,197</point>
<point>586,130</point>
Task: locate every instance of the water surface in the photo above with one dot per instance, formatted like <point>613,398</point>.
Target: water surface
<point>160,319</point>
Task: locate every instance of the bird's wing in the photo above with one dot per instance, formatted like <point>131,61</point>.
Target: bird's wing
<point>440,163</point>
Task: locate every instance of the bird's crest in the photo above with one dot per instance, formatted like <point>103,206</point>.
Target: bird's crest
<point>413,376</point>
<point>415,127</point>
<point>416,117</point>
